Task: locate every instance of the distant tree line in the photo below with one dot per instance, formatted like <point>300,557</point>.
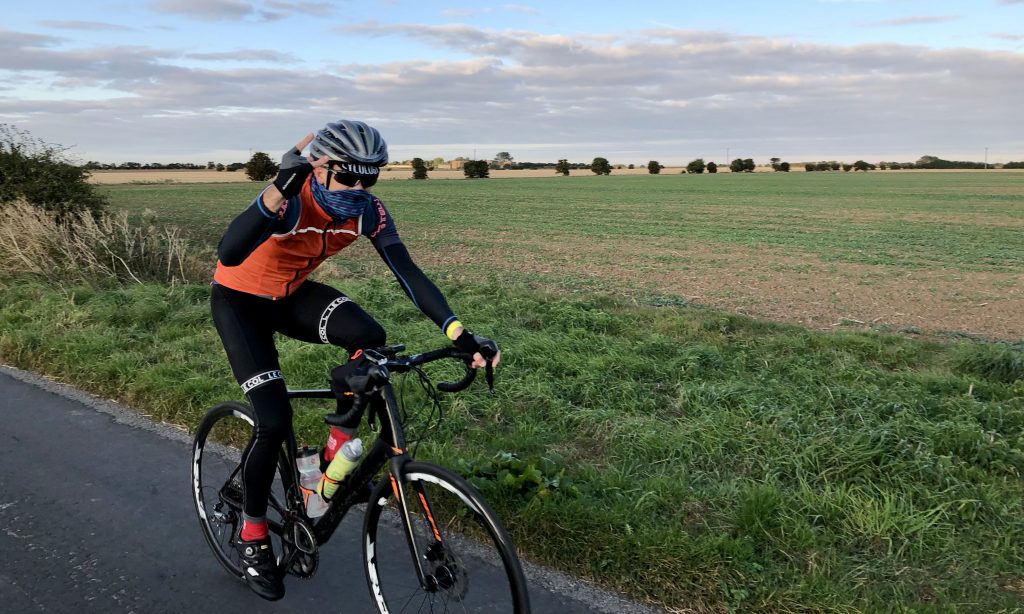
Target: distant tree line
<point>504,160</point>
<point>92,165</point>
<point>933,162</point>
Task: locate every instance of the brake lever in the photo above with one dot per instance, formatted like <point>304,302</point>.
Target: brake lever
<point>490,377</point>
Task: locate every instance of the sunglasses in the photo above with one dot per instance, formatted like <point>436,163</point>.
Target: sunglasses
<point>350,180</point>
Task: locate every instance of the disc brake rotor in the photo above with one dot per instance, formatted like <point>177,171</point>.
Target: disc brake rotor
<point>447,570</point>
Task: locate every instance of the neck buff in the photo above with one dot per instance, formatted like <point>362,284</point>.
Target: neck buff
<point>340,204</point>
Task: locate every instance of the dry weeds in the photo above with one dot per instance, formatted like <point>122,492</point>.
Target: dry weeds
<point>94,249</point>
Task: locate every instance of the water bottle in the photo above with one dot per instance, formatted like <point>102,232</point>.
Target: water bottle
<point>335,440</point>
<point>308,463</point>
<point>342,463</point>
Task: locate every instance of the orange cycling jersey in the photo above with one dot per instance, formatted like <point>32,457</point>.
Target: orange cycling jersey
<point>282,262</point>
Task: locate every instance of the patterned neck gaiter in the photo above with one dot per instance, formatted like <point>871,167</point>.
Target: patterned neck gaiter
<point>340,204</point>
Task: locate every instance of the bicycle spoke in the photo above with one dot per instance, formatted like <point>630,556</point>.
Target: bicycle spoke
<point>216,478</point>
<point>464,555</point>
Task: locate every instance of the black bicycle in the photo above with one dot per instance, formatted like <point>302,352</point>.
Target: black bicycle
<point>430,540</point>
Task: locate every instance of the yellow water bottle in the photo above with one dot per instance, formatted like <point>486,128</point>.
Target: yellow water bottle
<point>343,462</point>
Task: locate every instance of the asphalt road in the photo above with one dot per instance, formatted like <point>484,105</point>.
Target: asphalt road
<point>96,516</point>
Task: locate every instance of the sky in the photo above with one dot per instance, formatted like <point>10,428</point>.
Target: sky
<point>216,80</point>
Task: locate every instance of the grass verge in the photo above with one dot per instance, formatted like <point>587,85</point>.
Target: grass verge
<point>700,460</point>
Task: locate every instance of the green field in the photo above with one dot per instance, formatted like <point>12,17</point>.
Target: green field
<point>907,240</point>
<point>970,221</point>
<point>685,455</point>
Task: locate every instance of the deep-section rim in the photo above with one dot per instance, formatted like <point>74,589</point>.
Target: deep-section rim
<point>474,501</point>
<point>210,419</point>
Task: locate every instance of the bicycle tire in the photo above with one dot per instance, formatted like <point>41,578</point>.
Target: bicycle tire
<point>216,481</point>
<point>469,539</point>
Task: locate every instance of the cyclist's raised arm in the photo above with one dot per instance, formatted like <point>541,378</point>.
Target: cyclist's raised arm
<point>264,216</point>
<point>247,231</point>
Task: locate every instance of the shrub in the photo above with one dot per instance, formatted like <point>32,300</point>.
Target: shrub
<point>38,174</point>
<point>419,168</point>
<point>653,167</point>
<point>712,167</point>
<point>260,167</point>
<point>562,167</point>
<point>600,166</point>
<point>696,166</point>
<point>96,249</point>
<point>476,169</point>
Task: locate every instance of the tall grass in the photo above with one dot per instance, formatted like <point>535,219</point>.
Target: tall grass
<point>100,249</point>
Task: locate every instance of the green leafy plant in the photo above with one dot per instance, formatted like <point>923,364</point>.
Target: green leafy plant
<point>529,478</point>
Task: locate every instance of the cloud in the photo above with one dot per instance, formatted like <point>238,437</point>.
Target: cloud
<point>233,10</point>
<point>662,93</point>
<point>94,26</point>
<point>26,41</point>
<point>468,13</point>
<point>462,13</point>
<point>520,8</point>
<point>247,55</point>
<point>693,85</point>
<point>916,20</point>
<point>204,9</point>
<point>1007,36</point>
<point>320,9</point>
<point>1011,1</point>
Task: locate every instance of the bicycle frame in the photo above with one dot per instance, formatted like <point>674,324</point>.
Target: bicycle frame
<point>389,446</point>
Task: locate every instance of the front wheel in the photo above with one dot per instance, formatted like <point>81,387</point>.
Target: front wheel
<point>468,561</point>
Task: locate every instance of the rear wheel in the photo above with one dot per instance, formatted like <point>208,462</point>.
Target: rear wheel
<point>217,482</point>
<point>467,558</point>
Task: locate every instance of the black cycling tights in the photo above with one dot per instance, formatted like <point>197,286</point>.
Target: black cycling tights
<point>246,323</point>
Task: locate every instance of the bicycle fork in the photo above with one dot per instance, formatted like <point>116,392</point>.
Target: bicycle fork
<point>427,581</point>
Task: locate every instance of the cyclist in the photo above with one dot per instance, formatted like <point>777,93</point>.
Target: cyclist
<point>317,206</point>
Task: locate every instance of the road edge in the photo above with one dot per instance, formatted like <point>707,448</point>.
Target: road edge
<point>583,591</point>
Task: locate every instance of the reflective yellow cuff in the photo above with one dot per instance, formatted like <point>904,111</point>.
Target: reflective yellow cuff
<point>449,331</point>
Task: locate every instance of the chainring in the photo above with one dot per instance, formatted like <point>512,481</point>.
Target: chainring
<point>299,550</point>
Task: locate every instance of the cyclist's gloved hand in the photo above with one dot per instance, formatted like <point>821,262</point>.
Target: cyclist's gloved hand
<point>483,350</point>
<point>358,375</point>
<point>295,169</point>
